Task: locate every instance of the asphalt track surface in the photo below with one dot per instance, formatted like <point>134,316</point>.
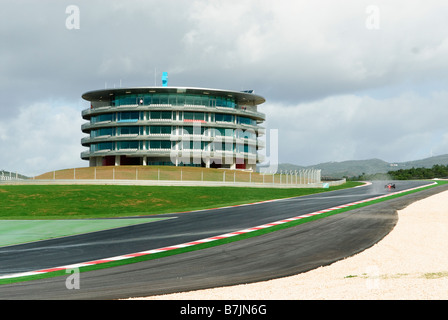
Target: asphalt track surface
<point>278,254</point>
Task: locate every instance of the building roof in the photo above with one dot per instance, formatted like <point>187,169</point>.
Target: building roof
<point>243,97</point>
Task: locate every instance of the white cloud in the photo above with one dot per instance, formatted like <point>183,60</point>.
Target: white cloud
<point>43,137</point>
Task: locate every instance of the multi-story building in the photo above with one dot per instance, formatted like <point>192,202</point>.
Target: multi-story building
<point>173,126</point>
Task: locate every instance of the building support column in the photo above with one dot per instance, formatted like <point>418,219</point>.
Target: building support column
<point>252,167</point>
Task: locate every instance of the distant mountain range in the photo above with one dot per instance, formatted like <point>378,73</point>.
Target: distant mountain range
<point>354,168</point>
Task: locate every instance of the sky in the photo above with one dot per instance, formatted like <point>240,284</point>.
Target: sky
<point>343,80</point>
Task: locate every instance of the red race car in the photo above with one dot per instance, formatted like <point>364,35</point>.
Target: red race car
<point>390,186</point>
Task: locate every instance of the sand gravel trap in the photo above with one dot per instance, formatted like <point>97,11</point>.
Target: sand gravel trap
<point>409,263</point>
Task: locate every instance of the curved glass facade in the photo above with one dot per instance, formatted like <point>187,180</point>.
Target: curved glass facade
<point>173,99</point>
<point>172,126</point>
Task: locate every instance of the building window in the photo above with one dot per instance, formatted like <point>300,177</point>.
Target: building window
<point>126,100</point>
<point>246,120</point>
<point>193,145</point>
<point>160,129</point>
<point>226,103</point>
<point>102,146</point>
<point>245,134</point>
<point>102,132</point>
<point>197,130</point>
<point>128,130</point>
<point>163,99</point>
<point>160,144</point>
<point>220,117</point>
<point>160,115</point>
<point>195,116</point>
<point>127,145</point>
<point>103,118</point>
<point>223,132</point>
<point>132,116</point>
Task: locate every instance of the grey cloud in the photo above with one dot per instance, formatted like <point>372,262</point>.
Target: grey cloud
<point>290,51</point>
<point>406,127</point>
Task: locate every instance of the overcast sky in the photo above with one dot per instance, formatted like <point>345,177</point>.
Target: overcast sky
<point>343,80</point>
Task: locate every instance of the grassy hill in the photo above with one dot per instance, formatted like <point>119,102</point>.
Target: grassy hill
<point>161,173</point>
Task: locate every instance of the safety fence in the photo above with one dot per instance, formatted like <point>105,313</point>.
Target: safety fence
<point>9,176</point>
<point>186,176</point>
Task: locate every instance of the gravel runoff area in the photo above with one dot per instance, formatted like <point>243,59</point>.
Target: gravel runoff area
<point>411,262</point>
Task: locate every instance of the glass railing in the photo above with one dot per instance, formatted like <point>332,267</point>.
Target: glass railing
<point>247,111</point>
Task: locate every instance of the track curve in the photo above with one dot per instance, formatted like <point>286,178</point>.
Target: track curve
<point>278,254</point>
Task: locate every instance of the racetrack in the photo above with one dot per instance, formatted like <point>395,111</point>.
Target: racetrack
<point>281,253</point>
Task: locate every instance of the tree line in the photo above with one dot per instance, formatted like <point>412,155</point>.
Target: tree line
<point>437,171</point>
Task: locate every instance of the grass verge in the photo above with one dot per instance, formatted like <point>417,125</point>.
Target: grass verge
<point>13,232</point>
<point>32,202</point>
